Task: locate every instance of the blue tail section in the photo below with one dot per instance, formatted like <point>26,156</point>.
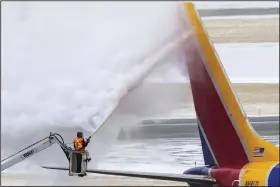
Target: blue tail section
<point>273,177</point>
<point>207,155</point>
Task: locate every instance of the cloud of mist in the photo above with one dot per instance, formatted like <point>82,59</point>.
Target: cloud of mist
<point>64,63</point>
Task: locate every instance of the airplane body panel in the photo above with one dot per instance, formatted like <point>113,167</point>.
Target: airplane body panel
<point>225,176</point>
<point>260,174</point>
<point>273,176</point>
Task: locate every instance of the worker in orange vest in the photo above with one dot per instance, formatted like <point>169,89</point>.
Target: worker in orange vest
<point>79,145</point>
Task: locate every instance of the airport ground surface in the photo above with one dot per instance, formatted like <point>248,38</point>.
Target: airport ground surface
<point>243,30</point>
<point>252,96</point>
<point>258,99</point>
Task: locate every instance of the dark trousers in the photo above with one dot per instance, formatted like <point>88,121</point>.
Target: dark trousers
<point>79,162</point>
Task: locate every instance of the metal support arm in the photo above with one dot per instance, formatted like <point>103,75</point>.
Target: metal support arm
<point>34,149</point>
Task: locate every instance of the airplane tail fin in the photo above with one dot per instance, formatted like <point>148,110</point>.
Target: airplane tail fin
<point>223,125</point>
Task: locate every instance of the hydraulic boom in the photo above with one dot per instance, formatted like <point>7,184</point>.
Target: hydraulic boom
<point>34,149</point>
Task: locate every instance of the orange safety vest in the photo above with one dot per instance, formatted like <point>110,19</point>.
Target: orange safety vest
<point>78,144</point>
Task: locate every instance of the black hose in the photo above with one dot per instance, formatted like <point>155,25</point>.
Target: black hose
<point>60,137</point>
<point>61,142</point>
<point>63,146</point>
<point>25,148</point>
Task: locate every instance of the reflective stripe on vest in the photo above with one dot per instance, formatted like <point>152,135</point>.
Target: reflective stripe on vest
<point>78,142</point>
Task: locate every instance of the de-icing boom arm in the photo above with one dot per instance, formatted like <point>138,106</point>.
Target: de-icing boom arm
<point>34,149</point>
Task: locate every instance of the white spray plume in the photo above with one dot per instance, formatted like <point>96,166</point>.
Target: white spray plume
<point>67,63</point>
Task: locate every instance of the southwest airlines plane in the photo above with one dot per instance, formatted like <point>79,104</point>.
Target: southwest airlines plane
<point>234,154</point>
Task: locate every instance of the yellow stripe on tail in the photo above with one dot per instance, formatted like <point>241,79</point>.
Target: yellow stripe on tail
<point>257,149</point>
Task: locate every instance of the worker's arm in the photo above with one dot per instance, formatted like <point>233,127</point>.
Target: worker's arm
<point>85,143</point>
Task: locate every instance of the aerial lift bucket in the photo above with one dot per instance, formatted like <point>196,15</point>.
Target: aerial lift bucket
<point>78,163</point>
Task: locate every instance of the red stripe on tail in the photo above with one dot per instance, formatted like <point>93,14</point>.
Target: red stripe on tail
<point>218,128</point>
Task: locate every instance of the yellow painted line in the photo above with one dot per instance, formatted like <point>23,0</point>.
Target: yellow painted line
<point>250,140</point>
